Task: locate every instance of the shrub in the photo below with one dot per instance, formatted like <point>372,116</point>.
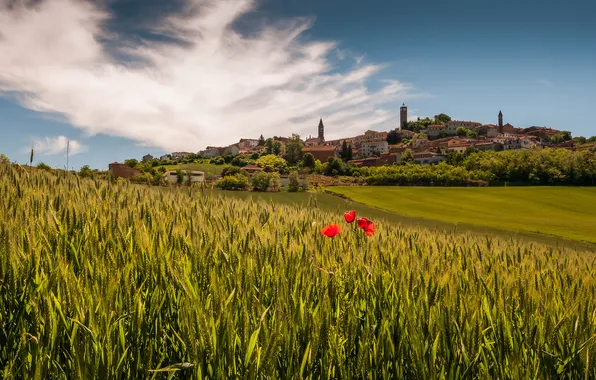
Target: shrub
<point>233,182</point>
<point>261,181</point>
<point>230,170</point>
<point>294,185</point>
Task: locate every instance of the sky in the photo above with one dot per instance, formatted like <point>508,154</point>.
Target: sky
<point>122,78</point>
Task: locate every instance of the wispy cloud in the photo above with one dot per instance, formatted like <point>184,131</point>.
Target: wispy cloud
<point>210,86</point>
<point>49,146</point>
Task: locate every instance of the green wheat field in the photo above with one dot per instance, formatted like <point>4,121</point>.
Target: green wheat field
<point>103,280</point>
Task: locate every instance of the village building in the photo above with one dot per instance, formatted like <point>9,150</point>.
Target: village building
<point>251,168</point>
<point>171,176</point>
<point>119,170</point>
<point>451,126</point>
<point>147,157</point>
<point>374,148</point>
<point>247,143</point>
<point>321,152</point>
<point>435,130</point>
<point>177,155</point>
<point>426,158</point>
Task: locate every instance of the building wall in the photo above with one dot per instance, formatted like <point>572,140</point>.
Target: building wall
<point>172,177</point>
<point>454,124</point>
<point>369,148</point>
<point>119,170</point>
<point>321,154</point>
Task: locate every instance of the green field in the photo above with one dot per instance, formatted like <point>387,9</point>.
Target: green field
<point>568,212</point>
<point>208,169</point>
<point>112,280</point>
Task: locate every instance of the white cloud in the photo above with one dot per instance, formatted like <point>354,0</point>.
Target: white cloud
<point>49,146</point>
<point>215,87</point>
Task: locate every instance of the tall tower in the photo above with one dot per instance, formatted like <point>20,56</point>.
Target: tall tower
<point>321,132</point>
<point>500,119</point>
<point>403,116</point>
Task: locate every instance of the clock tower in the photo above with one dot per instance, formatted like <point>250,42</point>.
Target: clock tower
<point>403,116</point>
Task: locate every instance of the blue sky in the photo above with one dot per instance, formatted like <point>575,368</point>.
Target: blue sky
<point>122,80</point>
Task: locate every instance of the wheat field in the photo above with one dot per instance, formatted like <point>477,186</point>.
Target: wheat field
<point>102,280</point>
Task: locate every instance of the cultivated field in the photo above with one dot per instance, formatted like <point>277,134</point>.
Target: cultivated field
<point>102,280</point>
<point>569,212</point>
<point>208,169</point>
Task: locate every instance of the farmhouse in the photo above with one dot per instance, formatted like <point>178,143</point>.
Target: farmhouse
<point>120,170</point>
<point>171,176</point>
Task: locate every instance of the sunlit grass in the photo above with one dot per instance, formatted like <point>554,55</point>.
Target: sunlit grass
<point>101,280</point>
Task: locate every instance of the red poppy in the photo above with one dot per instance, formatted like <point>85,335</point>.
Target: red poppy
<point>350,216</point>
<point>362,222</point>
<point>369,230</point>
<point>331,230</point>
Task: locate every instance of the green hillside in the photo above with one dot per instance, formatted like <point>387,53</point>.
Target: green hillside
<point>569,212</point>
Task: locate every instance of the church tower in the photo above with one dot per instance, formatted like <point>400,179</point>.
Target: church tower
<point>321,132</point>
<point>500,119</point>
<point>403,116</point>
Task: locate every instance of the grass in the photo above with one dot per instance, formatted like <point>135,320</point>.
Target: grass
<point>568,212</point>
<point>208,169</point>
<point>119,281</point>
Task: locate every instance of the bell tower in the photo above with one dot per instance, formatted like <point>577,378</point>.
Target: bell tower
<point>403,116</point>
<point>321,132</point>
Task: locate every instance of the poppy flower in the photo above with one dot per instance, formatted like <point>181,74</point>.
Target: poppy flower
<point>350,216</point>
<point>362,222</point>
<point>331,230</point>
<point>369,230</point>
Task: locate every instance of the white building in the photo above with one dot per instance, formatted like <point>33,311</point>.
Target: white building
<point>196,176</point>
<point>374,148</point>
<point>176,155</point>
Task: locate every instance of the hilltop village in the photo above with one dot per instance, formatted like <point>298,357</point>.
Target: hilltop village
<point>429,151</point>
<point>427,140</point>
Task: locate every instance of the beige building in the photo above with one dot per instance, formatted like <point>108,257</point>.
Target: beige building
<point>434,130</point>
<point>454,124</point>
<point>370,136</point>
<point>196,176</point>
<point>374,148</point>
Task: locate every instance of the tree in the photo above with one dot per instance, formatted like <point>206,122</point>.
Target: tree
<point>308,160</point>
<point>132,162</point>
<point>179,177</point>
<point>44,166</point>
<point>278,148</point>
<point>269,146</point>
<point>260,181</point>
<point>461,131</point>
<point>592,139</point>
<point>344,151</point>
<point>580,140</point>
<point>272,163</point>
<point>261,141</point>
<point>407,156</point>
<point>334,166</point>
<point>294,179</point>
<point>188,178</point>
<point>442,118</point>
<point>293,149</point>
<point>566,135</point>
<point>350,153</point>
<point>392,137</point>
<point>86,172</point>
<point>233,182</point>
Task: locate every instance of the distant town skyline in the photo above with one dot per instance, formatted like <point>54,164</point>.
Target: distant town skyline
<point>115,84</point>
